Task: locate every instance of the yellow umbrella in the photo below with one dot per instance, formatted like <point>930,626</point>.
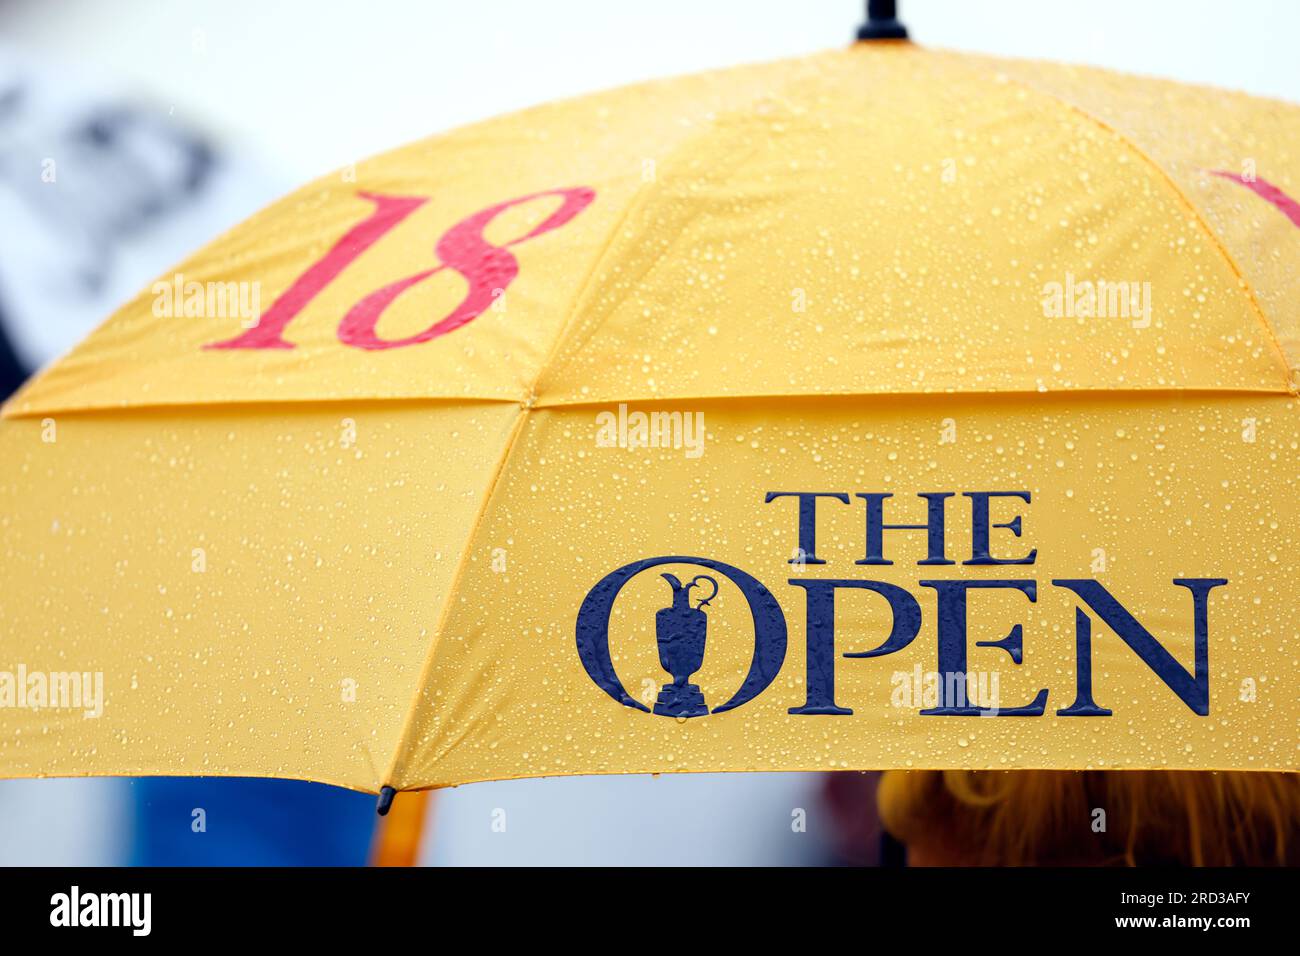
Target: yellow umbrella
<point>795,416</point>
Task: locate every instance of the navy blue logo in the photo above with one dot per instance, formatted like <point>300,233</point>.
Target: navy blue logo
<point>682,628</point>
<point>681,631</point>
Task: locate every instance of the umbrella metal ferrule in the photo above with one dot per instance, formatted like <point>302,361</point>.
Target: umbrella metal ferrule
<point>882,22</point>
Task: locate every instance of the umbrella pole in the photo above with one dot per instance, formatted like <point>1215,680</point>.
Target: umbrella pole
<point>397,835</point>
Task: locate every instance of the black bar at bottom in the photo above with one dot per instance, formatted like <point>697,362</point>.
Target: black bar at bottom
<point>424,906</point>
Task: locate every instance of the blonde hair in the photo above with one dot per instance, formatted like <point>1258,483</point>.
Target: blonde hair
<point>1048,817</point>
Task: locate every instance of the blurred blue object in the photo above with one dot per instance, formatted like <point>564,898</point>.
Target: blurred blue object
<point>236,821</point>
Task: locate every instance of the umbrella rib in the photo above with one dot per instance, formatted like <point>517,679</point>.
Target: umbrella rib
<point>948,394</point>
<point>639,199</point>
<point>425,669</point>
<point>294,404</point>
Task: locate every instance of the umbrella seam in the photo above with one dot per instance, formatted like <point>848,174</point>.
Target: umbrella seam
<point>1289,385</point>
<point>243,404</point>
<point>959,394</point>
<point>516,429</point>
<point>282,404</point>
<point>636,203</point>
<point>638,199</point>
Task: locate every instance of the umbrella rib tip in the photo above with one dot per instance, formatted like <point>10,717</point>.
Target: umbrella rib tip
<point>385,803</point>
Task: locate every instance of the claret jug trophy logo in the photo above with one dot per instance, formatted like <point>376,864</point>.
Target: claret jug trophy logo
<point>681,632</point>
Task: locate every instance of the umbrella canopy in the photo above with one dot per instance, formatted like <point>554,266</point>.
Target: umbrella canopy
<point>794,416</point>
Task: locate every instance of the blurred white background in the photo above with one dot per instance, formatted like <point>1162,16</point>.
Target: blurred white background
<point>312,86</point>
<point>295,89</point>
